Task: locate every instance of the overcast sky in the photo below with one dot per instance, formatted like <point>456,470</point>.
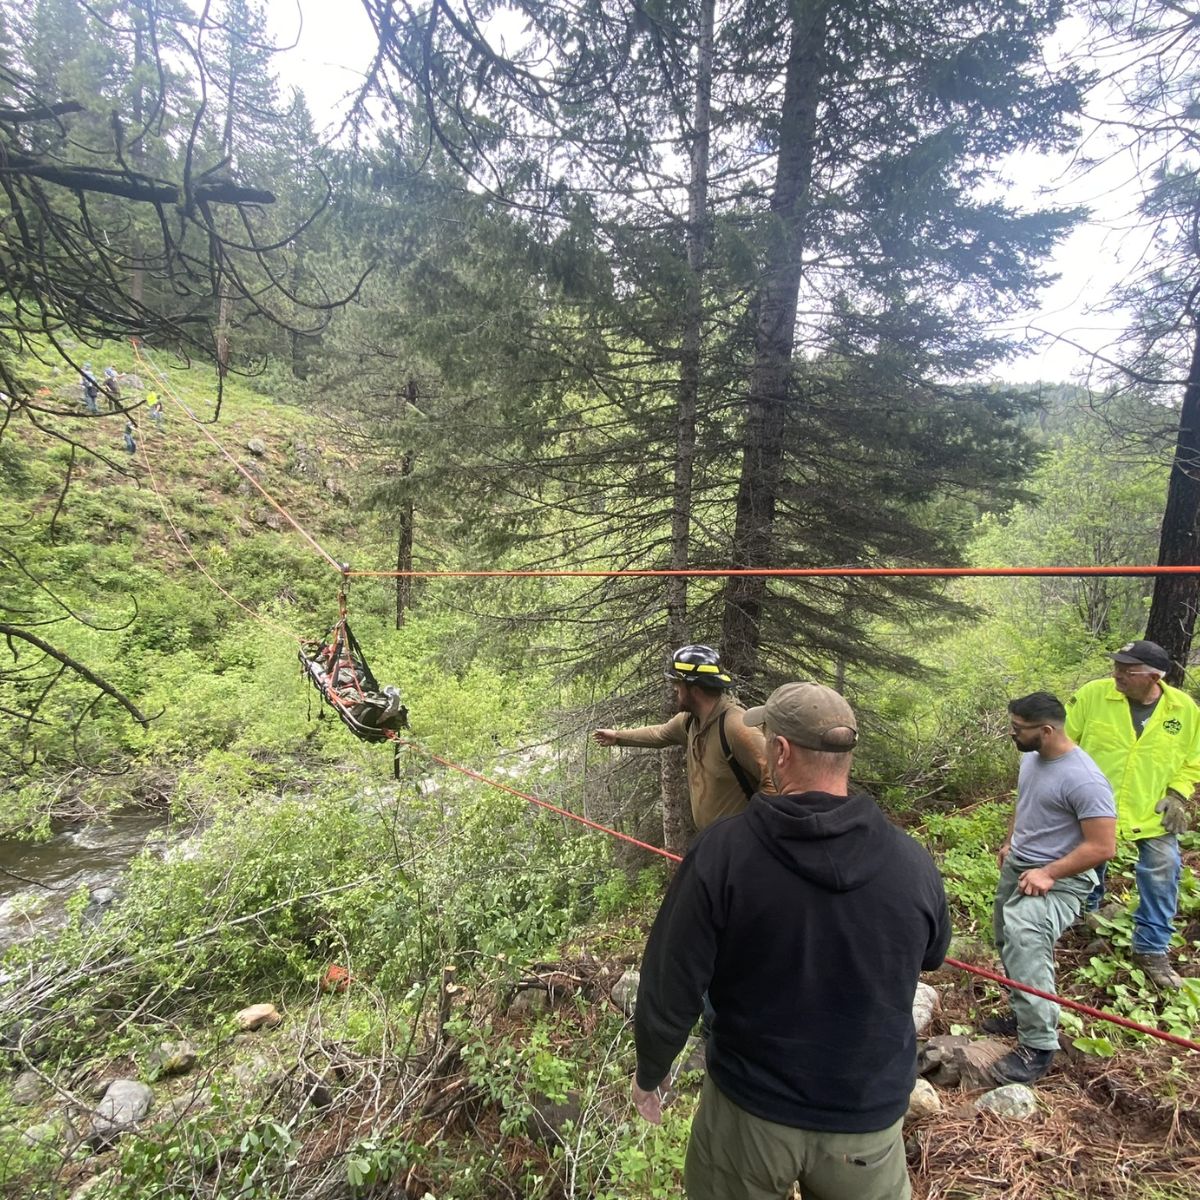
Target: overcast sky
<point>336,41</point>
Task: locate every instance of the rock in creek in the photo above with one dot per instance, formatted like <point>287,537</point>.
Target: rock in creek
<point>125,1103</point>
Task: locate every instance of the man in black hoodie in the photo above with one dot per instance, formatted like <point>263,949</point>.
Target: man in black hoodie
<point>809,918</point>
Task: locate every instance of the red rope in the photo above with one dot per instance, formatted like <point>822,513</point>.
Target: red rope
<point>1077,1006</point>
<point>1086,1009</point>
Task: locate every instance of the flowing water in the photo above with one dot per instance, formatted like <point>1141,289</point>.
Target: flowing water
<point>37,880</point>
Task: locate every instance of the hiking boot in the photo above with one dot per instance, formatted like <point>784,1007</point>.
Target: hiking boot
<point>1024,1065</point>
<point>1158,970</point>
<point>1005,1026</point>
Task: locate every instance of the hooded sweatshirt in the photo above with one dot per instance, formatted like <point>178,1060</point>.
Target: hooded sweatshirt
<point>809,919</point>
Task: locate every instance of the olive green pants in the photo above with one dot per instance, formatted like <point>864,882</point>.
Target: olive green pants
<point>1026,929</point>
<point>733,1155</point>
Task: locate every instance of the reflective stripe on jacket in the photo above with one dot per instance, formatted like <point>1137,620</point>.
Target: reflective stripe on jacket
<point>1140,769</point>
<point>714,790</point>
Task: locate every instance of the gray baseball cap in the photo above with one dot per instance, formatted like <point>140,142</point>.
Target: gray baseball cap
<point>810,715</point>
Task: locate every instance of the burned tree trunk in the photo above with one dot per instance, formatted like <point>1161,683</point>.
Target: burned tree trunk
<point>1173,608</point>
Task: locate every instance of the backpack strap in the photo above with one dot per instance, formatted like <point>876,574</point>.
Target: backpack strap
<point>736,767</point>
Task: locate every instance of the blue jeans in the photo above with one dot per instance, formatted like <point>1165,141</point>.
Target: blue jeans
<point>1157,874</point>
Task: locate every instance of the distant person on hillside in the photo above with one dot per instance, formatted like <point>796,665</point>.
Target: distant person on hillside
<point>90,388</point>
<point>809,917</point>
<point>726,760</point>
<point>130,444</point>
<point>112,388</point>
<point>1145,736</point>
<point>156,411</point>
<point>1064,825</point>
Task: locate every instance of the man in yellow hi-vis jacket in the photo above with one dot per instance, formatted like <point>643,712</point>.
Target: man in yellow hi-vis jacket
<point>1145,736</point>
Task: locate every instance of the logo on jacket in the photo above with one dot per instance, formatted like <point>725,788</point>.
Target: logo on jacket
<point>1172,726</point>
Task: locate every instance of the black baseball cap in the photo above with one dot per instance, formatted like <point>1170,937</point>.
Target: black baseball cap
<point>1149,654</point>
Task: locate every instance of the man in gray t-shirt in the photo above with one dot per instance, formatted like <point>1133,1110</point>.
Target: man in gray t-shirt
<point>1064,825</point>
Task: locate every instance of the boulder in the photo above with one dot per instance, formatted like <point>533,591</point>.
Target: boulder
<point>258,1015</point>
<point>529,1001</point>
<point>48,1133</point>
<point>28,1088</point>
<point>182,1106</point>
<point>953,1060</point>
<point>102,896</point>
<point>257,447</point>
<point>1013,1101</point>
<point>624,992</point>
<point>258,1076</point>
<point>925,1003</point>
<point>125,1103</point>
<point>924,1101</point>
<point>172,1058</point>
<point>549,1118</point>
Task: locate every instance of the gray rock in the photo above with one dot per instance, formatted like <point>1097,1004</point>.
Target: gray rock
<point>102,896</point>
<point>133,381</point>
<point>172,1058</point>
<point>257,447</point>
<point>952,1060</point>
<point>624,992</point>
<point>936,1058</point>
<point>925,1003</point>
<point>258,1076</point>
<point>924,1101</point>
<point>529,1001</point>
<point>95,1188</point>
<point>1108,912</point>
<point>125,1103</point>
<point>550,1117</point>
<point>48,1133</point>
<point>183,1106</point>
<point>27,1088</point>
<point>1013,1101</point>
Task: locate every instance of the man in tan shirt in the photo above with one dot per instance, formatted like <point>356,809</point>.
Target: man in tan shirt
<point>726,759</point>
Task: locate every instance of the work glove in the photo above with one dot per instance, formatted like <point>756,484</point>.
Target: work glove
<point>1174,813</point>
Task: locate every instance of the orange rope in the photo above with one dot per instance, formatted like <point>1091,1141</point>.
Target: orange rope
<point>785,572</point>
<point>287,516</point>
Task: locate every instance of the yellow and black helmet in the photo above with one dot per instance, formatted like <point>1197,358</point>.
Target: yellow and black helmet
<point>700,665</point>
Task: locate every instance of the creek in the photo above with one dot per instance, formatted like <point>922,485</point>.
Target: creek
<point>37,879</point>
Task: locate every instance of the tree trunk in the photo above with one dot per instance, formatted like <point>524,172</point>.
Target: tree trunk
<point>774,339</point>
<point>404,548</point>
<point>1173,608</point>
<point>137,155</point>
<point>404,539</point>
<point>676,804</point>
